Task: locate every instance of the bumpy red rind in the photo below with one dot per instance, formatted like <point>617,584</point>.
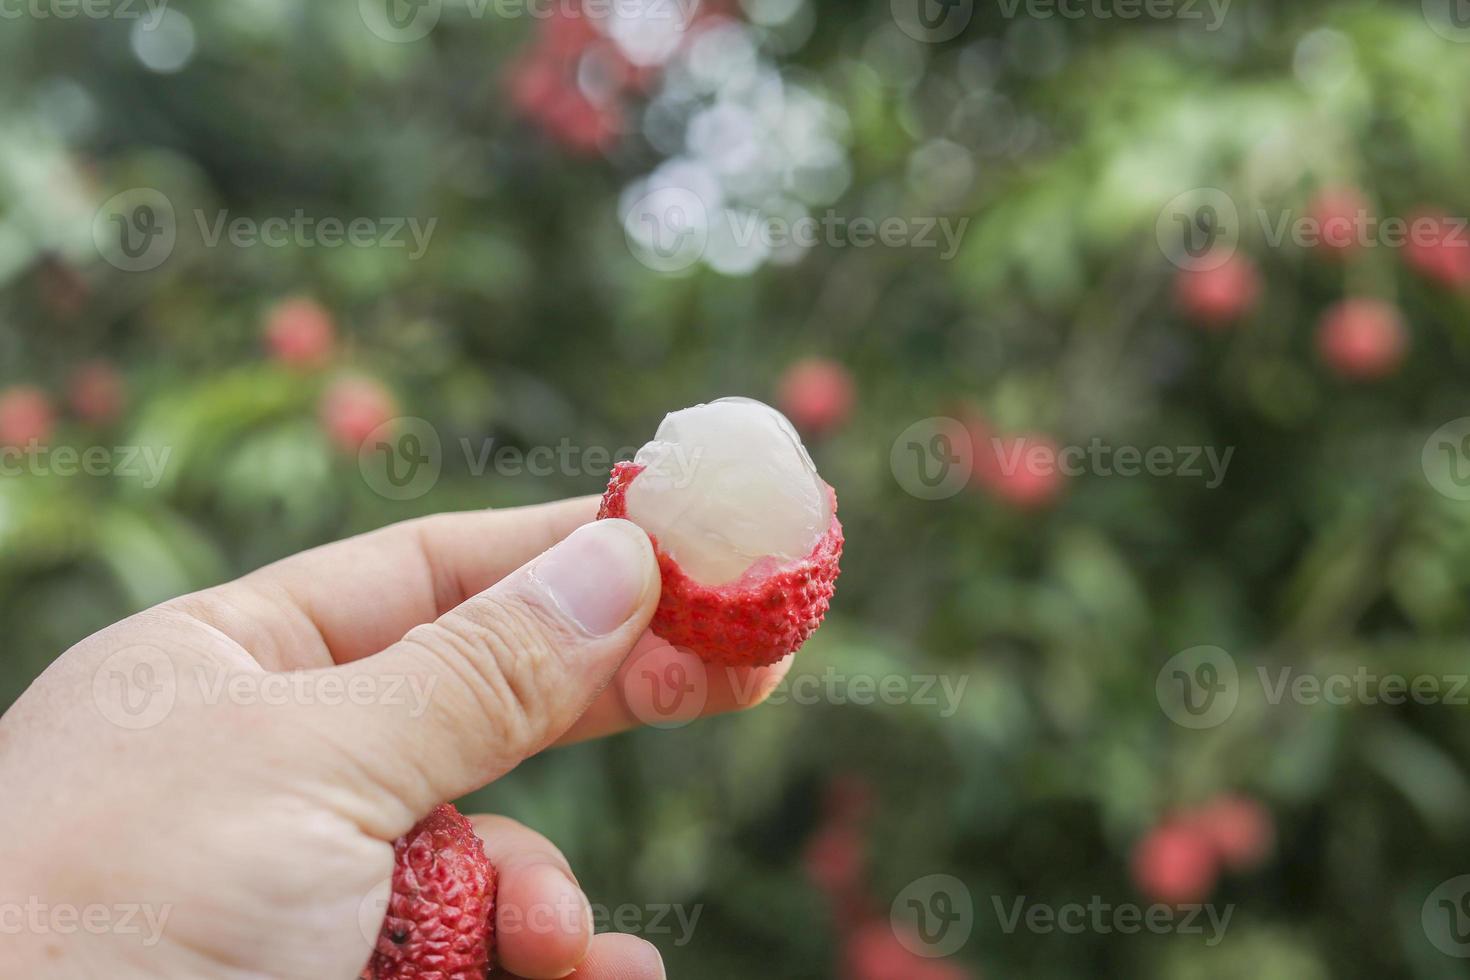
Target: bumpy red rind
<point>761,617</point>
<point>441,915</point>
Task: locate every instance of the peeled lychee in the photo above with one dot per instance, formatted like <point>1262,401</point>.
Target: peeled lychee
<point>441,913</point>
<point>745,531</point>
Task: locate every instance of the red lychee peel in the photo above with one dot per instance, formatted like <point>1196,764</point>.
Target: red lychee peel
<point>441,915</point>
<point>761,617</point>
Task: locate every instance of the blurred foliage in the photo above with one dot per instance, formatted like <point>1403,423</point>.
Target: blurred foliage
<point>529,320</point>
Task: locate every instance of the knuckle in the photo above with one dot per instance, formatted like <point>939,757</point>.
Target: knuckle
<point>506,654</point>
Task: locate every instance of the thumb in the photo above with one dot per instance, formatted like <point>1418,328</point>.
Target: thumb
<point>501,676</point>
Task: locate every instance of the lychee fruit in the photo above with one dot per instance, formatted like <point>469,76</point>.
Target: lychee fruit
<point>97,393</point>
<point>300,332</point>
<point>1339,214</point>
<point>352,407</point>
<point>1239,828</point>
<point>745,531</point>
<point>441,913</point>
<point>1023,471</point>
<point>1175,863</point>
<point>875,952</point>
<point>1438,248</point>
<point>1362,339</point>
<point>26,416</point>
<point>1220,292</point>
<point>817,395</point>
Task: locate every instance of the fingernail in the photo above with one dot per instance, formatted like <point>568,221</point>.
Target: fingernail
<point>598,575</point>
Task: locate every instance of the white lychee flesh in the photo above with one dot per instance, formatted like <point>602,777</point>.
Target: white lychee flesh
<point>725,485</point>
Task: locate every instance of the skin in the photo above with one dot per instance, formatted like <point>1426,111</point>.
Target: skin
<point>259,829</point>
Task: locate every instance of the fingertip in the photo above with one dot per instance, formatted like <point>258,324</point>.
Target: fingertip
<point>543,922</point>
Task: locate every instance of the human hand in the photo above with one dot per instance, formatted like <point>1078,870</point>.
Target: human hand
<point>211,788</point>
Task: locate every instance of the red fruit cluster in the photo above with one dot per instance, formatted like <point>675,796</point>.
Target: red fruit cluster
<point>26,417</point>
<point>1221,291</point>
<point>441,913</point>
<point>1179,861</point>
<point>97,393</point>
<point>1438,248</point>
<point>835,859</point>
<point>1021,471</point>
<point>352,407</point>
<point>760,618</point>
<point>875,952</point>
<point>817,395</point>
<point>300,332</point>
<point>1362,339</point>
<point>546,82</point>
